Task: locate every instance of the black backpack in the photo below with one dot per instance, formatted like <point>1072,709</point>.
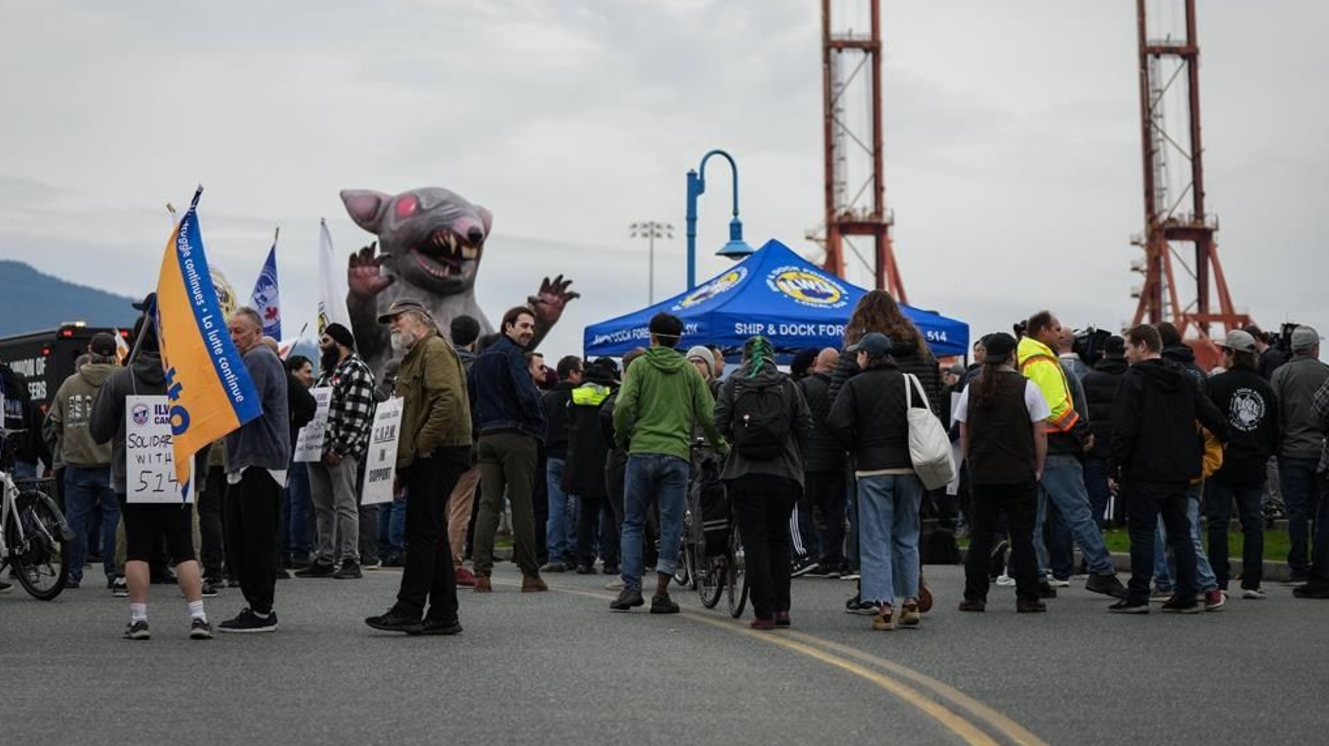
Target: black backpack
<point>760,419</point>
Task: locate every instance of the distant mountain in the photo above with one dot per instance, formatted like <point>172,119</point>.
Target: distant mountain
<point>31,301</point>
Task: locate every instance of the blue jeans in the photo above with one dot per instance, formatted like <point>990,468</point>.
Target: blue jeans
<point>1301,494</point>
<point>659,478</point>
<point>392,527</point>
<point>296,509</point>
<point>87,490</point>
<point>24,470</point>
<point>1219,509</point>
<point>1205,580</point>
<point>1063,484</point>
<point>888,536</point>
<point>1096,483</point>
<point>561,529</point>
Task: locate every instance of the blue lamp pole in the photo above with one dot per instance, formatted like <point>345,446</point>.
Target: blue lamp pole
<point>737,248</point>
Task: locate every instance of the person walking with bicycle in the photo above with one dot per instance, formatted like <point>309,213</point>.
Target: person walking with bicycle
<point>869,419</point>
<point>146,523</point>
<point>662,398</point>
<point>763,413</point>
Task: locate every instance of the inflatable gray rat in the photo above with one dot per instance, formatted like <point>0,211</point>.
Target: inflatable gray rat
<point>430,243</point>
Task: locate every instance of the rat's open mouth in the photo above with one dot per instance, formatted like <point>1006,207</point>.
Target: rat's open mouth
<point>446,255</point>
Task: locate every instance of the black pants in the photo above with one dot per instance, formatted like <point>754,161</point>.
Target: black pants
<point>1145,502</point>
<point>987,504</point>
<point>428,579</point>
<point>250,509</point>
<point>763,504</point>
<point>588,525</point>
<point>210,502</point>
<point>825,495</point>
<point>368,532</point>
<point>1218,507</point>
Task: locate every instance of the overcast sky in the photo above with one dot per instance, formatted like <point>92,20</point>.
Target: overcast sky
<point>1012,140</point>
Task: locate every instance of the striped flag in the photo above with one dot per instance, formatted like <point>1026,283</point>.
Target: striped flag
<point>209,389</point>
<point>266,298</point>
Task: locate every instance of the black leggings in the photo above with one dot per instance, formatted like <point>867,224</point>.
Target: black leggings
<point>144,522</point>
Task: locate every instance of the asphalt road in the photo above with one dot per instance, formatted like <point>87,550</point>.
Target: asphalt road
<point>560,668</point>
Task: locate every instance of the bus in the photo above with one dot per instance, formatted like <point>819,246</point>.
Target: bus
<point>47,358</point>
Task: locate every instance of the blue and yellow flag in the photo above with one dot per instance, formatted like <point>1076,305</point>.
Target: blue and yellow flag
<point>209,388</point>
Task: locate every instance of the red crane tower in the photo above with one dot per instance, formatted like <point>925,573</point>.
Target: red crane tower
<point>855,179</point>
<point>1170,79</point>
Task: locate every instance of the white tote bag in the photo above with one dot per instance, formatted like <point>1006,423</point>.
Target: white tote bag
<point>929,446</point>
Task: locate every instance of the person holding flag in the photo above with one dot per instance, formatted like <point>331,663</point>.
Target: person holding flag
<point>146,522</point>
<point>257,455</point>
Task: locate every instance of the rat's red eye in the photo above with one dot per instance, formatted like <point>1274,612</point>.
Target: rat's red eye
<point>406,206</point>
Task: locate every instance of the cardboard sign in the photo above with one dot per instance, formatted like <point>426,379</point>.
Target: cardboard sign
<point>381,460</point>
<point>149,458</point>
<point>309,443</point>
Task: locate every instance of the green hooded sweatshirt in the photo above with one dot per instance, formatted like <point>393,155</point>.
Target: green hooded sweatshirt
<point>70,411</point>
<point>663,396</point>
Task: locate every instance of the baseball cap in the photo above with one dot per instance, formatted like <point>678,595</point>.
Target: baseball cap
<point>400,307</point>
<point>1239,341</point>
<point>999,347</point>
<point>103,343</point>
<point>875,344</point>
<point>1304,338</point>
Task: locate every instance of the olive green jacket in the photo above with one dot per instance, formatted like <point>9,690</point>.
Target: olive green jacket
<point>436,413</point>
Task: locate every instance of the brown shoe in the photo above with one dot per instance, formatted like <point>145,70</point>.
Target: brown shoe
<point>1030,606</point>
<point>533,584</point>
<point>482,584</point>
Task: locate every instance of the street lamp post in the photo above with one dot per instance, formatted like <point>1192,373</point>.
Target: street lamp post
<point>650,231</point>
<point>737,248</point>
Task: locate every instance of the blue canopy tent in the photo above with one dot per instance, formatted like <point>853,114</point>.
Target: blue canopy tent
<point>775,293</point>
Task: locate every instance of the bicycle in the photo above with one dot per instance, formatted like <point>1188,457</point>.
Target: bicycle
<point>35,538</point>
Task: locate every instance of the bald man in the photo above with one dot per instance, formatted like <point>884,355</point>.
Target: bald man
<point>819,531</point>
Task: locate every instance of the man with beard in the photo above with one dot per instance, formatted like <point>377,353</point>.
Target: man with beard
<point>433,449</point>
<point>333,480</point>
<point>511,421</point>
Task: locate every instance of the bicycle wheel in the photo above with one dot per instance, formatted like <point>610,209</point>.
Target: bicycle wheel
<point>41,557</point>
<point>710,578</point>
<point>736,576</point>
<point>683,570</point>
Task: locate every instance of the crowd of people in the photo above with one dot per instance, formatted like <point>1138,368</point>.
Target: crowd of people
<point>589,464</point>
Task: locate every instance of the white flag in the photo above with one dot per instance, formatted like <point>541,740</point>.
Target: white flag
<point>332,288</point>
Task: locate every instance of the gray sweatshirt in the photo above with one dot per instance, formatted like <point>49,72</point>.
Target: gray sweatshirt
<point>1295,383</point>
<point>264,441</point>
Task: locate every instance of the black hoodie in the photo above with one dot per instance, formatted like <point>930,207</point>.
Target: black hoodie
<point>1185,357</point>
<point>1154,437</point>
<point>555,403</point>
<point>1253,422</point>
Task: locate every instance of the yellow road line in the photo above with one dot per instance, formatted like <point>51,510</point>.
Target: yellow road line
<point>818,648</point>
<point>1008,727</point>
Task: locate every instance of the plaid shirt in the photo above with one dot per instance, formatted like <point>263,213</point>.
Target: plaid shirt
<point>351,411</point>
<point>1320,405</point>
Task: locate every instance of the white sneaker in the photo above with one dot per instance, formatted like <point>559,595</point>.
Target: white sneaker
<point>1253,594</point>
<point>615,585</point>
<point>1059,583</point>
<point>1005,581</point>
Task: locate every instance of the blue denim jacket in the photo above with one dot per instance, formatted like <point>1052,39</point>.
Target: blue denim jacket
<point>503,396</point>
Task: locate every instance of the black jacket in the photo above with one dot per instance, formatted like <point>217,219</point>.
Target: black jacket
<point>1154,437</point>
<point>301,404</point>
<point>1254,424</point>
<point>555,403</point>
<point>908,358</point>
<point>1270,361</point>
<point>1100,388</point>
<point>868,419</point>
<point>790,463</point>
<point>20,413</point>
<point>1185,357</point>
<point>822,453</point>
<point>587,444</point>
